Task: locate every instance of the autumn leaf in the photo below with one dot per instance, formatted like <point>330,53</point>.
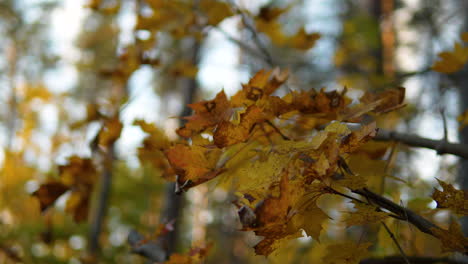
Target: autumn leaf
<point>365,214</point>
<point>281,218</point>
<point>261,85</point>
<point>215,11</point>
<point>110,132</point>
<point>78,176</point>
<point>78,171</point>
<point>452,239</point>
<point>194,164</point>
<point>206,114</point>
<point>78,204</point>
<point>452,61</point>
<point>385,101</point>
<point>356,139</point>
<point>227,133</point>
<point>451,198</point>
<point>346,253</point>
<point>303,40</point>
<point>196,255</point>
<point>49,192</point>
<point>269,13</point>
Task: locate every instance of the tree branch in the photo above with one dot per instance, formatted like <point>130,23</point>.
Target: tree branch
<point>441,146</point>
<point>420,222</point>
<point>102,201</point>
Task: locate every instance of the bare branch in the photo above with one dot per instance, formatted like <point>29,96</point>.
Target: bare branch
<point>440,146</point>
<point>420,222</point>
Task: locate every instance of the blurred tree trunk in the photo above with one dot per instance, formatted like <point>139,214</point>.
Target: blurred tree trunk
<point>174,203</point>
<point>462,83</point>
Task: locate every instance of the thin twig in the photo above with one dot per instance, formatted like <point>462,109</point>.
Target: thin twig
<point>253,31</point>
<point>395,241</point>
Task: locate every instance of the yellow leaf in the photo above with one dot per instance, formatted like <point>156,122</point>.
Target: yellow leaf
<point>302,40</point>
<point>346,253</point>
<point>365,214</point>
<point>452,61</point>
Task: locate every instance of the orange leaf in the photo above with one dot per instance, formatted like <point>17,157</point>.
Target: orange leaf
<point>207,114</point>
<point>194,164</point>
<point>227,133</point>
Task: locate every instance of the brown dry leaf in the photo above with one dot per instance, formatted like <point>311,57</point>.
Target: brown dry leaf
<point>78,171</point>
<point>346,253</point>
<point>273,214</point>
<point>270,13</point>
<point>452,239</point>
<point>49,192</point>
<point>365,214</point>
<point>206,114</point>
<point>110,132</point>
<point>80,176</point>
<point>385,101</point>
<point>78,204</point>
<point>303,40</point>
<point>261,85</point>
<point>356,139</point>
<point>227,133</point>
<point>194,164</point>
<point>279,218</point>
<point>451,198</point>
<point>325,104</point>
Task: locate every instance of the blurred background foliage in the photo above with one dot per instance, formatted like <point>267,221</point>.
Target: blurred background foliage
<point>68,66</point>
